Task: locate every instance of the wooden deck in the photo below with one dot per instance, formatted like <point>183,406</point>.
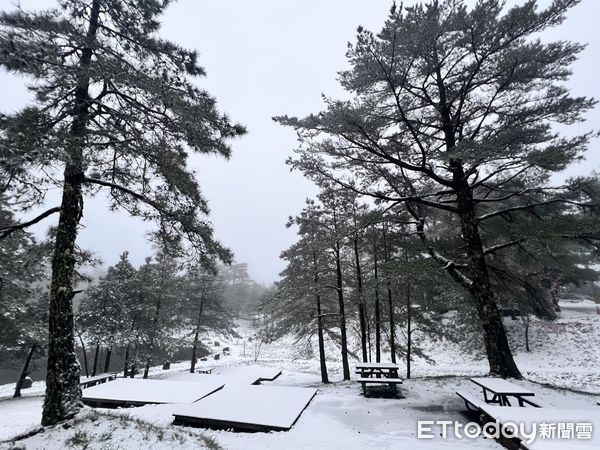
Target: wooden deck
<point>137,392</point>
<point>247,408</point>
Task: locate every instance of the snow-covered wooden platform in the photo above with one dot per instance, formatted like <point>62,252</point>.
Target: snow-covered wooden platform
<point>137,392</point>
<point>245,375</point>
<point>86,382</point>
<point>248,408</point>
<point>227,380</point>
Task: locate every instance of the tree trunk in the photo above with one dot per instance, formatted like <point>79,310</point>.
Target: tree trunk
<point>24,372</point>
<point>85,361</point>
<point>154,327</point>
<point>63,394</point>
<point>389,298</point>
<point>126,362</point>
<point>408,329</point>
<point>340,292</point>
<point>197,334</point>
<point>527,348</point>
<point>377,306</point>
<point>498,351</point>
<point>107,360</point>
<point>96,356</point>
<point>361,303</point>
<point>322,361</point>
<point>369,346</point>
<point>135,360</point>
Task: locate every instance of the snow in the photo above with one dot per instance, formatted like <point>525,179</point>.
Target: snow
<point>101,430</point>
<point>96,378</point>
<point>379,380</point>
<point>227,380</point>
<point>133,390</point>
<point>19,415</point>
<point>36,389</point>
<point>534,416</point>
<point>501,386</point>
<point>261,372</point>
<point>339,417</point>
<point>246,375</point>
<point>375,365</point>
<point>562,370</point>
<point>274,407</point>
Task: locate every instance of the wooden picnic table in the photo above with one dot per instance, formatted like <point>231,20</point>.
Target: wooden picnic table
<point>377,370</point>
<point>501,390</point>
<point>378,373</point>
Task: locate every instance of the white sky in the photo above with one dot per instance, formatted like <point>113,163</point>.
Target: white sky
<point>265,58</point>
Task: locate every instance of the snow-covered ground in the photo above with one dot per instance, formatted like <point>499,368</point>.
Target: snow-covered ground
<point>562,368</point>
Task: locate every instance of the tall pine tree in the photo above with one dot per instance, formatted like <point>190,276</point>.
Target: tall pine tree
<point>452,112</point>
<point>115,108</point>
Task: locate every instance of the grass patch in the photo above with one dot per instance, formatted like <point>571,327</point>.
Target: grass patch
<point>94,429</point>
<point>80,439</point>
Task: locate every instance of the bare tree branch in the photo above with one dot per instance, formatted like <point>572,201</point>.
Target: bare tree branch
<point>7,231</point>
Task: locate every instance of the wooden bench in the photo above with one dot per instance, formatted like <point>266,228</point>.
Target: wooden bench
<point>472,402</point>
<point>206,370</point>
<point>392,382</point>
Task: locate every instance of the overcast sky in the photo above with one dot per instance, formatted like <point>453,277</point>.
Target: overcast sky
<point>265,58</point>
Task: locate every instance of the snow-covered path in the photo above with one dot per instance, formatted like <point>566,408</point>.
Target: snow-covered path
<point>19,415</point>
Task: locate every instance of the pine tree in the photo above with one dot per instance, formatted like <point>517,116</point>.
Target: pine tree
<point>203,307</point>
<point>115,109</point>
<point>305,288</point>
<point>106,312</point>
<point>23,302</point>
<point>451,113</point>
<point>22,264</point>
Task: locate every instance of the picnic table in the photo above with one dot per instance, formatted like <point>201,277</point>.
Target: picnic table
<point>377,369</point>
<point>500,390</point>
<point>378,373</point>
<point>566,428</point>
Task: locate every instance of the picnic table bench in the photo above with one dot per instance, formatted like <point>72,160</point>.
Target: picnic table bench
<point>496,391</point>
<point>472,402</point>
<point>206,370</point>
<point>378,373</point>
<point>98,379</point>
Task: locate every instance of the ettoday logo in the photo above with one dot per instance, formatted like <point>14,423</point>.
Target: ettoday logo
<point>528,433</point>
